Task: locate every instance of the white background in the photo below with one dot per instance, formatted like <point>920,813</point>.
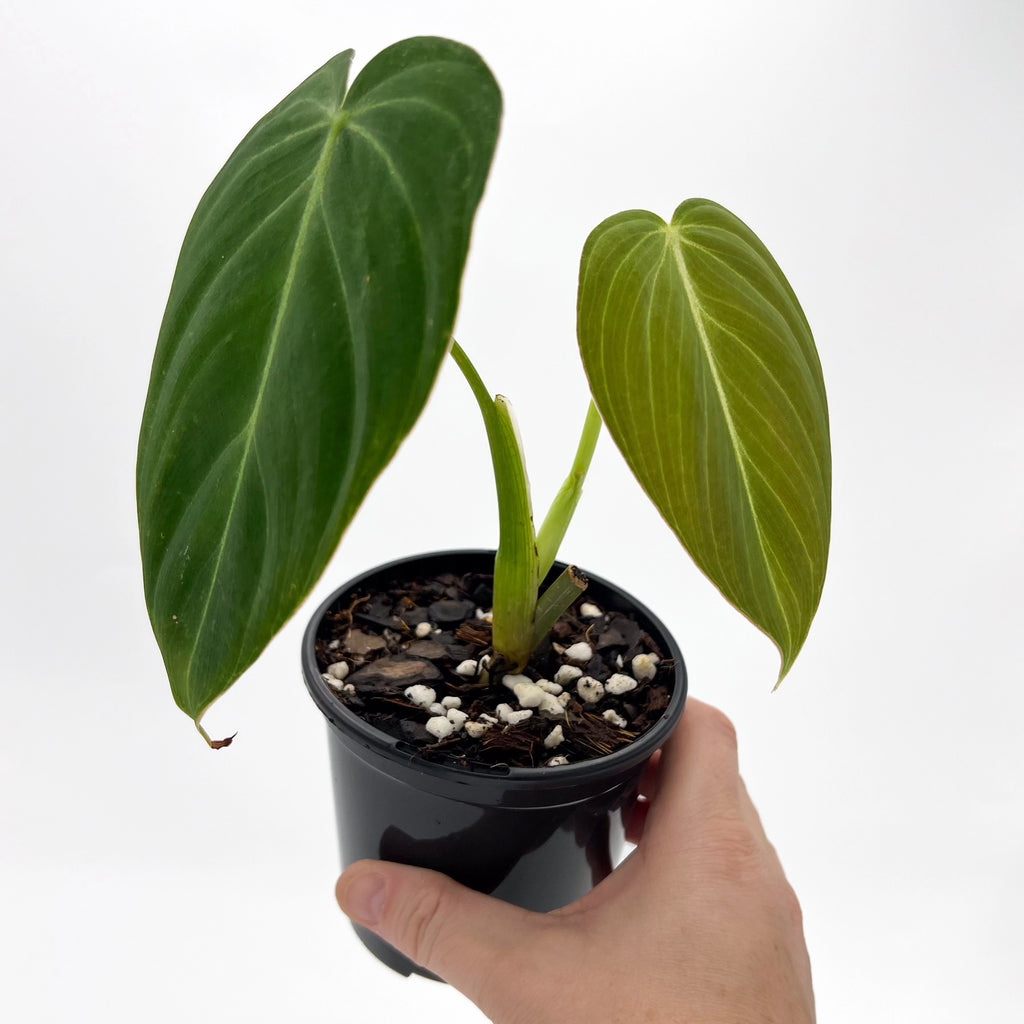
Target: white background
<point>876,147</point>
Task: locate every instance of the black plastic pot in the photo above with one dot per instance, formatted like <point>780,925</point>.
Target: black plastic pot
<point>536,837</point>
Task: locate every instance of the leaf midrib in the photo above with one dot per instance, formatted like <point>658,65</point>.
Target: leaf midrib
<point>675,242</point>
<point>315,190</point>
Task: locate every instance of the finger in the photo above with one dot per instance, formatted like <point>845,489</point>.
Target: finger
<point>753,822</point>
<point>460,935</point>
<point>749,813</point>
<point>698,776</point>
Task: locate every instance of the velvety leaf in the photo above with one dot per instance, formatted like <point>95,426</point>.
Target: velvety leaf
<point>705,372</point>
<point>312,304</point>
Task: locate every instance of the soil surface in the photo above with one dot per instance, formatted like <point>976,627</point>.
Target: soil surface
<point>372,641</point>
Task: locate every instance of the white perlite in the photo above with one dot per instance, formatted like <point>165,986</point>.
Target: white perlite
<point>486,616</point>
<point>451,702</point>
<point>466,668</point>
<point>420,695</point>
<point>337,685</point>
<point>529,695</point>
<point>618,684</point>
<point>549,687</point>
<point>551,706</point>
<point>510,717</point>
<point>339,670</point>
<point>512,680</point>
<point>474,730</point>
<point>437,709</point>
<point>440,727</point>
<point>590,690</point>
<point>615,718</point>
<point>644,667</point>
<point>554,737</point>
<point>567,674</point>
<point>581,653</point>
<point>457,718</point>
<point>489,719</point>
<point>423,630</point>
<point>564,699</point>
<point>590,611</point>
<point>555,761</point>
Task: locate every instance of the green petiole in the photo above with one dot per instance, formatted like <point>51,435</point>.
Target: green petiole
<point>556,522</point>
<point>516,576</point>
<point>569,585</point>
<point>523,557</point>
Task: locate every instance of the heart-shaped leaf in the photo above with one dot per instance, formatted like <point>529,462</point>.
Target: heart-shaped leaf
<point>704,370</point>
<point>313,302</point>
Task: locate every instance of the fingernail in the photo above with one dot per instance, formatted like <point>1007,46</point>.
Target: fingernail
<point>364,899</point>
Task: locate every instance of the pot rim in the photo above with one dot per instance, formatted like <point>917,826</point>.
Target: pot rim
<point>375,742</point>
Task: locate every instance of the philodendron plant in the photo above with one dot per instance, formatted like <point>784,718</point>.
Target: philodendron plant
<point>312,306</point>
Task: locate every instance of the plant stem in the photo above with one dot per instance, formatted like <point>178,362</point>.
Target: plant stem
<point>516,575</point>
<point>556,522</point>
<point>569,585</point>
<point>212,743</point>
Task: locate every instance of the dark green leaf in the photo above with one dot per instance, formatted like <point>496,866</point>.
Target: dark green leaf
<point>705,372</point>
<point>312,304</point>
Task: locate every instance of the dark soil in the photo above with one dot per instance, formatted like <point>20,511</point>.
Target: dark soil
<point>375,635</point>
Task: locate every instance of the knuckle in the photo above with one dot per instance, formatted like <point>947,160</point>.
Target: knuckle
<point>732,854</point>
<point>722,726</point>
<point>421,924</point>
<point>791,909</point>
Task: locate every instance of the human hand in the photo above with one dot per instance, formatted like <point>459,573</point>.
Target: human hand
<point>697,925</point>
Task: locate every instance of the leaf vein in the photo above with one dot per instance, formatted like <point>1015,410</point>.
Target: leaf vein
<point>297,249</point>
<point>723,399</point>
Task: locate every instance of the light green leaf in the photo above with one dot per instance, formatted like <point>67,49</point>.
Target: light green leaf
<point>704,370</point>
<point>312,304</point>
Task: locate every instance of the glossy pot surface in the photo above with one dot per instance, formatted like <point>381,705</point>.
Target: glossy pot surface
<point>537,837</point>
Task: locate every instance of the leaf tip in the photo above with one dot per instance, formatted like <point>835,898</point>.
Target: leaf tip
<point>788,660</point>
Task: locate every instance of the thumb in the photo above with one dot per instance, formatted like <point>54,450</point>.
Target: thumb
<point>458,934</point>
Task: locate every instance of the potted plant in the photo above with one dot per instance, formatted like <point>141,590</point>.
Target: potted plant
<point>313,303</point>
